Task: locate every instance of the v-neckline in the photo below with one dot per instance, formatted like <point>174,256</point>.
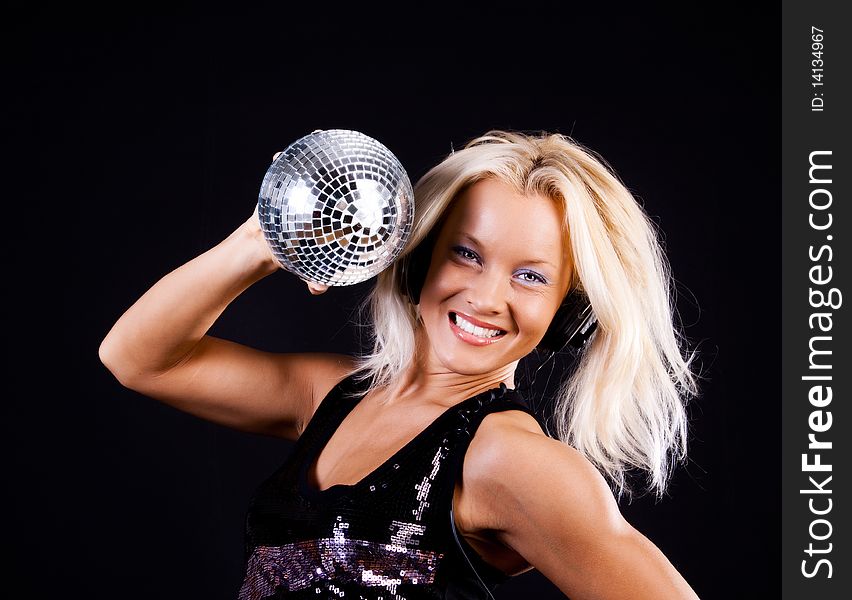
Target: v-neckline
<point>309,490</point>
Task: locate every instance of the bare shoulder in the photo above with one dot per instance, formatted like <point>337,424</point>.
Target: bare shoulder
<point>547,503</point>
<point>513,467</point>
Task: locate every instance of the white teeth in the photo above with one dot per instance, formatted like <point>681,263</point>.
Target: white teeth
<point>473,329</point>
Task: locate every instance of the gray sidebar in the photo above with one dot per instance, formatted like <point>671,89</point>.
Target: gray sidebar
<point>816,338</point>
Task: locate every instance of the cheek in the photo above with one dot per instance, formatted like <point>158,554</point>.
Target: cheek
<point>534,317</point>
<point>443,281</point>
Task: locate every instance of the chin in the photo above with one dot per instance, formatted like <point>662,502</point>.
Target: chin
<point>469,368</point>
<point>461,358</point>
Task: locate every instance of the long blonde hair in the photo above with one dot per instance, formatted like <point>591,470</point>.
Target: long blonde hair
<point>623,406</point>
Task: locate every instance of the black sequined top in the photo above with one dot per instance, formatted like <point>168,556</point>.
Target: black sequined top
<point>389,536</point>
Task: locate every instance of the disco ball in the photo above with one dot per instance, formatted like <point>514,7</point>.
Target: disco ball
<point>336,207</point>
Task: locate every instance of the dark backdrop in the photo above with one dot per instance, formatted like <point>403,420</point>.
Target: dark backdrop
<point>152,135</point>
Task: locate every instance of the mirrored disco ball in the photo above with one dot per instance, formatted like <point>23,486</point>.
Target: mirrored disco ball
<point>336,207</point>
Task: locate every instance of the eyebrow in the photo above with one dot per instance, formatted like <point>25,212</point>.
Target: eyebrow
<point>534,261</point>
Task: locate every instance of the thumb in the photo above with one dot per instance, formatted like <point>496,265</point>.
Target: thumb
<point>317,288</point>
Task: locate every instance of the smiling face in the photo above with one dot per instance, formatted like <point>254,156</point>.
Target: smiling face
<point>498,273</point>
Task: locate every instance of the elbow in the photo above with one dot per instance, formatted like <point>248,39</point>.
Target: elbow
<point>105,353</point>
<point>110,358</point>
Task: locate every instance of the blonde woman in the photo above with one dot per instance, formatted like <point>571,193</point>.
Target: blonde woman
<point>419,471</point>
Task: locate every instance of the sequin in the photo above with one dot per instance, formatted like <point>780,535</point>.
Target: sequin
<point>345,561</point>
<point>424,487</point>
<point>389,538</point>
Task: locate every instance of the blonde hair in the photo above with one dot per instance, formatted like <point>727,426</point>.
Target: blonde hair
<point>623,406</point>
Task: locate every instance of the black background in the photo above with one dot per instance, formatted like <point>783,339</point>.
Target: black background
<point>144,141</point>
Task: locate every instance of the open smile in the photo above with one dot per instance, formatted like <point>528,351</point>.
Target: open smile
<point>464,328</point>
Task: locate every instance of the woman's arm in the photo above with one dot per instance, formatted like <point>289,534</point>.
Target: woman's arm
<point>543,499</point>
<point>159,346</point>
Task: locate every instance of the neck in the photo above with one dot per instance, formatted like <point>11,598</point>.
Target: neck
<point>427,380</point>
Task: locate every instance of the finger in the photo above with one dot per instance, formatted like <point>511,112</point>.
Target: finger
<point>276,155</point>
<point>317,288</point>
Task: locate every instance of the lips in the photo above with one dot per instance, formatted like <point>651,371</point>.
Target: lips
<point>471,337</point>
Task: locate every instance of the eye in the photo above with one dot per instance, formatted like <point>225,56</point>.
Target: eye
<point>535,277</point>
<point>465,253</point>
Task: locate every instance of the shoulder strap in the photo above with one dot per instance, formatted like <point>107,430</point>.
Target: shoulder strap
<point>497,401</point>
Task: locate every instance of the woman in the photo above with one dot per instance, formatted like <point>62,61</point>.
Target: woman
<point>419,470</point>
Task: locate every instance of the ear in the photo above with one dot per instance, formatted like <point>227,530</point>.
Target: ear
<point>572,325</point>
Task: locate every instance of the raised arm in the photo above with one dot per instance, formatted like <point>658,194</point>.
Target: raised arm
<point>159,346</point>
<point>543,499</point>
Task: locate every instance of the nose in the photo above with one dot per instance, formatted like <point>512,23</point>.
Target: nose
<point>488,293</point>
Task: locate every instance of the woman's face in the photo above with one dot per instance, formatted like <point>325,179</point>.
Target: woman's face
<point>498,273</point>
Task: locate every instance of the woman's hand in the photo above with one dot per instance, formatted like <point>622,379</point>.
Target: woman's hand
<point>252,228</point>
<point>549,504</point>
